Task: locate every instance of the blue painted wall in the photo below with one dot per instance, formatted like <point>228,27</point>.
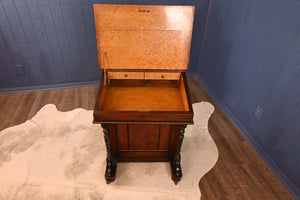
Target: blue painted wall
<point>250,57</point>
<point>55,40</point>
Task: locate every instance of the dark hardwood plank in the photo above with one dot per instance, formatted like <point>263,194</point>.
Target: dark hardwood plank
<point>39,101</point>
<point>240,173</point>
<point>8,107</point>
<point>92,92</point>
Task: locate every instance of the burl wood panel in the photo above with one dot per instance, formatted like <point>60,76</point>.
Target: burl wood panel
<point>158,113</point>
<point>143,99</point>
<point>130,17</point>
<point>143,37</point>
<point>161,76</point>
<point>125,75</point>
<point>144,75</point>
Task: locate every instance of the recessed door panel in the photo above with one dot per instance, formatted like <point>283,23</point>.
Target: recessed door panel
<point>143,137</point>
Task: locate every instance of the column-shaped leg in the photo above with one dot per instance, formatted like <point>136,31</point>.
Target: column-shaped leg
<point>111,163</point>
<point>175,164</point>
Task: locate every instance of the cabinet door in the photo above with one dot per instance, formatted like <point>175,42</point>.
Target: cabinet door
<point>143,137</point>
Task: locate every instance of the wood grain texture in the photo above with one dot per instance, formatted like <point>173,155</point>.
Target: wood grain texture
<point>184,93</point>
<point>162,76</point>
<point>143,37</point>
<point>143,17</point>
<point>125,75</point>
<point>143,137</point>
<point>143,75</point>
<point>160,104</point>
<point>240,173</point>
<point>143,99</point>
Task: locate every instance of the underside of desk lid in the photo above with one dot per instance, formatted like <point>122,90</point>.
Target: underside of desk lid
<point>143,37</point>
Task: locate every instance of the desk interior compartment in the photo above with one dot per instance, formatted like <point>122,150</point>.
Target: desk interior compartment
<point>165,97</point>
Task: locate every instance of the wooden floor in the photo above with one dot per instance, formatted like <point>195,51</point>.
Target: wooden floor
<point>239,173</point>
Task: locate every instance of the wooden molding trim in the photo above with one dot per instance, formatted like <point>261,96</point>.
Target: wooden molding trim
<point>48,87</point>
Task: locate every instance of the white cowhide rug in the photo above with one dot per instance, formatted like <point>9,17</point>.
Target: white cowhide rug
<point>61,155</point>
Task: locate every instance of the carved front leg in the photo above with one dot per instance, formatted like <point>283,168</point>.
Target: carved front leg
<point>111,163</point>
<point>175,164</point>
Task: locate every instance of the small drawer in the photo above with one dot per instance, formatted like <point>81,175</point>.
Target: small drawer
<point>162,76</point>
<point>125,75</point>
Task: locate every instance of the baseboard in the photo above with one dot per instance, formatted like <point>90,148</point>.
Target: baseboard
<point>257,146</point>
<point>189,75</point>
<point>48,87</point>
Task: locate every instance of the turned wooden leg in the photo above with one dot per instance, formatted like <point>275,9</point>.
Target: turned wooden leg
<point>175,164</point>
<point>111,162</point>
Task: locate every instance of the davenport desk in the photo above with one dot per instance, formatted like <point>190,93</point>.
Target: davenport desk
<point>143,103</point>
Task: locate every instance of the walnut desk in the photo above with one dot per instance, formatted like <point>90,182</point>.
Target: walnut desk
<point>143,103</point>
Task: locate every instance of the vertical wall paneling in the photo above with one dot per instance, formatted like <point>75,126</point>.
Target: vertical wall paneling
<point>13,42</point>
<point>51,60</point>
<point>72,38</point>
<point>31,21</point>
<point>91,36</point>
<point>55,13</point>
<point>26,56</point>
<point>87,21</point>
<point>55,40</point>
<point>79,25</point>
<point>6,65</point>
<point>250,57</point>
<point>63,40</point>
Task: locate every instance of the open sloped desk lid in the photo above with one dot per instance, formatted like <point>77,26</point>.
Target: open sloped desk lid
<point>143,37</point>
